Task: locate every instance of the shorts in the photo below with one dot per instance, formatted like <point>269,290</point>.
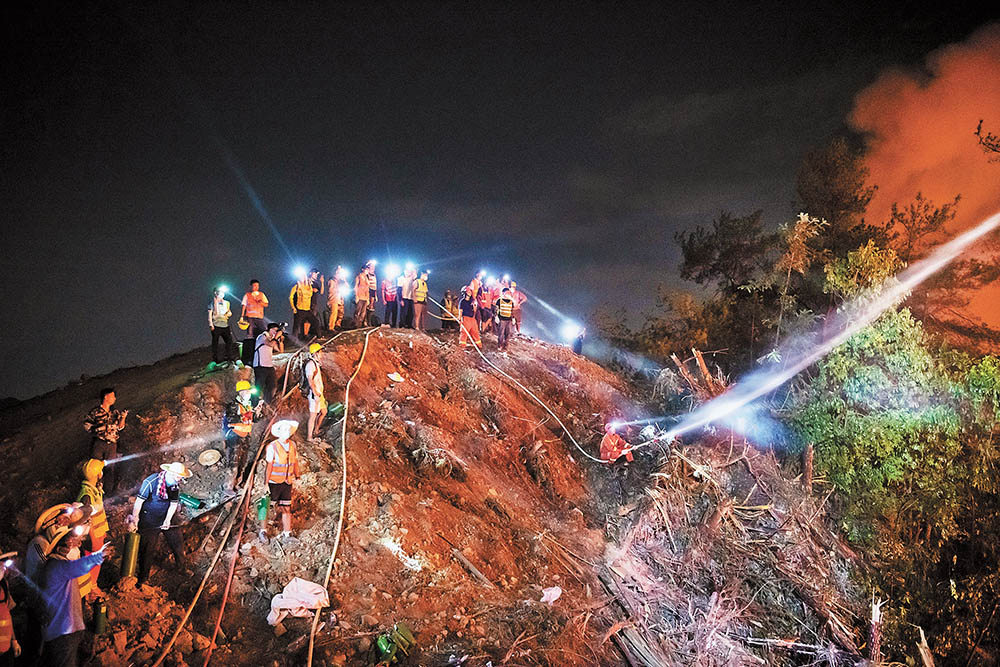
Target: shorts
<point>281,493</point>
<point>317,404</point>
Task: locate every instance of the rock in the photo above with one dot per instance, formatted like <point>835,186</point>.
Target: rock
<point>369,621</point>
<point>340,659</point>
<point>280,629</point>
<point>149,640</point>
<point>120,641</point>
<point>364,644</point>
<point>200,641</point>
<point>185,642</point>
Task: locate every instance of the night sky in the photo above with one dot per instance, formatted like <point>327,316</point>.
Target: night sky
<point>149,151</point>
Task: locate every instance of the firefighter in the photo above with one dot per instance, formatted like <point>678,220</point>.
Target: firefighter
<point>154,509</point>
<point>301,298</point>
<point>470,327</point>
<point>10,649</point>
<point>254,303</point>
<point>335,300</point>
<point>613,446</point>
<point>282,469</point>
<point>420,300</point>
<point>237,424</point>
<point>362,299</point>
<point>92,496</point>
<point>449,311</point>
<point>519,299</point>
<point>389,297</point>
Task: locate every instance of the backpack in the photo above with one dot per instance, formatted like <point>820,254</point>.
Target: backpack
<point>304,379</point>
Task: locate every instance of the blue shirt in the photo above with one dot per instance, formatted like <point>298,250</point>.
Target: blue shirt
<point>154,506</point>
<point>62,593</point>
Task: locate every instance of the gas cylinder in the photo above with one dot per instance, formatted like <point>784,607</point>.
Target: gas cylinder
<point>130,555</point>
<point>100,616</point>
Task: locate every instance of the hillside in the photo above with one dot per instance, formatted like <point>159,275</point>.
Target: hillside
<point>700,554</point>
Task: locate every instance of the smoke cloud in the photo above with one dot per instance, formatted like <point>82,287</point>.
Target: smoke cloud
<point>920,127</point>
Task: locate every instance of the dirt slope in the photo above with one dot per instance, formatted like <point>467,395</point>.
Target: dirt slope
<point>454,453</point>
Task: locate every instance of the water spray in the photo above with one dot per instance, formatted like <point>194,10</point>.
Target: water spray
<point>851,319</point>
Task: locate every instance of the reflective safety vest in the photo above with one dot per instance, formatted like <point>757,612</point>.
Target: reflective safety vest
<point>85,583</point>
<point>301,295</point>
<point>372,281</point>
<point>419,290</point>
<point>388,291</point>
<point>98,517</point>
<point>283,463</point>
<point>505,308</point>
<point>6,626</point>
<point>243,427</point>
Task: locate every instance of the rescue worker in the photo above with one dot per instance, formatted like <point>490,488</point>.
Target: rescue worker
<point>317,402</point>
<point>335,300</point>
<point>504,308</point>
<point>470,327</point>
<point>613,446</point>
<point>10,649</point>
<point>154,509</point>
<point>318,283</point>
<point>578,341</point>
<point>362,303</point>
<point>60,588</point>
<point>486,305</point>
<point>273,339</point>
<point>389,298</point>
<point>406,294</point>
<point>372,284</point>
<point>450,313</point>
<point>254,303</point>
<point>104,424</point>
<point>420,300</point>
<point>519,299</point>
<point>237,423</point>
<point>282,468</point>
<point>91,496</point>
<point>219,313</point>
<point>301,298</point>
<point>476,285</point>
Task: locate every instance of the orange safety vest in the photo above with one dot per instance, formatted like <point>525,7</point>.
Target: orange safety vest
<point>283,463</point>
<point>420,290</point>
<point>245,424</point>
<point>6,626</point>
<point>98,518</point>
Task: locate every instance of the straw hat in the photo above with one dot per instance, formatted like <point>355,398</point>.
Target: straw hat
<point>284,429</point>
<point>395,377</point>
<point>176,468</point>
<point>209,457</point>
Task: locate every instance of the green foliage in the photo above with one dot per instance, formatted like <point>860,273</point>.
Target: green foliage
<point>728,255</point>
<point>908,434</point>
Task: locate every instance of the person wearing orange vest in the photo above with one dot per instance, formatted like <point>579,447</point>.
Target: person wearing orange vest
<point>282,468</point>
<point>254,303</point>
<point>389,297</point>
<point>470,328</point>
<point>486,305</point>
<point>420,300</point>
<point>237,424</point>
<point>91,496</point>
<point>9,648</point>
<point>613,446</point>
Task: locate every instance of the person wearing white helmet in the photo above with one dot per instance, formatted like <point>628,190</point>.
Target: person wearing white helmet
<point>282,468</point>
<point>154,509</point>
<point>10,649</point>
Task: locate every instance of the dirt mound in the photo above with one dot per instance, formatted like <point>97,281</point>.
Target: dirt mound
<point>454,472</point>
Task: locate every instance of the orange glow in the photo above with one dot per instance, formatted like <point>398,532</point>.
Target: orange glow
<point>920,127</point>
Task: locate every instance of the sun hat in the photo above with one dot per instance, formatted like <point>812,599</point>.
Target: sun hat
<point>176,468</point>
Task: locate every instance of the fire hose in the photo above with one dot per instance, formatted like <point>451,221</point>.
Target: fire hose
<point>343,493</point>
<point>451,317</point>
<point>242,509</point>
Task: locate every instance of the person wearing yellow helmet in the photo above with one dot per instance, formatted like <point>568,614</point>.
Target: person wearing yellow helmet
<point>92,497</point>
<point>10,649</point>
<point>237,424</point>
<point>312,382</point>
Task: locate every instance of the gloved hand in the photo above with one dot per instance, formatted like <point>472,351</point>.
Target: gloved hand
<point>98,556</point>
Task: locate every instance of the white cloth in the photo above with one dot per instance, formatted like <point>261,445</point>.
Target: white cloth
<point>298,599</point>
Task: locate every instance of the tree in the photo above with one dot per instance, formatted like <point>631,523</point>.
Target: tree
<point>832,185</point>
<point>728,255</point>
<point>989,142</point>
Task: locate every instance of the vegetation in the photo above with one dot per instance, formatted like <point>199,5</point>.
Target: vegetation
<point>904,418</point>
